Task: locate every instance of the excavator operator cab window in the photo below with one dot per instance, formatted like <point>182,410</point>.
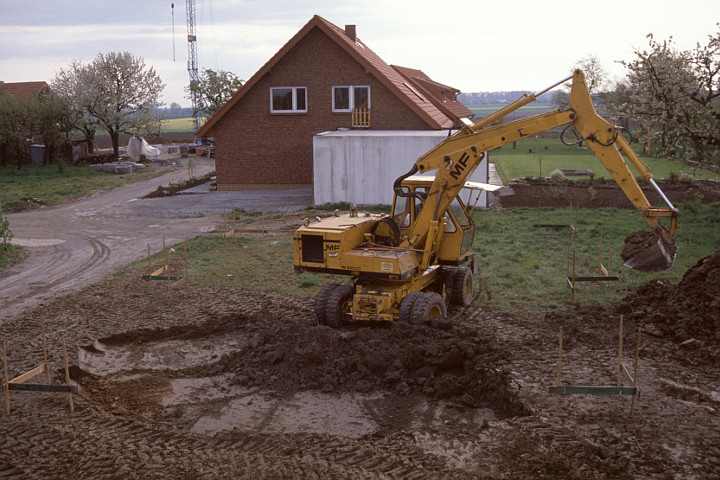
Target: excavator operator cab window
<point>403,214</point>
<point>401,211</point>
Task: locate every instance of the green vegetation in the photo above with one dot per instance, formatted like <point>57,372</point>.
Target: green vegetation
<point>178,125</point>
<point>33,185</point>
<point>524,160</point>
<point>522,268</point>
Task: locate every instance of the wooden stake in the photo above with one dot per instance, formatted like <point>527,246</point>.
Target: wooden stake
<point>224,225</point>
<point>150,267</point>
<point>6,385</point>
<point>47,367</point>
<point>635,371</point>
<point>573,277</point>
<point>67,375</point>
<point>557,397</point>
<point>187,278</point>
<point>620,354</point>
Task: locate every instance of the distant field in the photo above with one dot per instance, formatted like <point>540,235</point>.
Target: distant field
<point>524,160</point>
<point>526,111</point>
<point>178,125</point>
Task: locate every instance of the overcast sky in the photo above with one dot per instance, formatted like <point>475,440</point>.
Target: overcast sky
<point>475,45</point>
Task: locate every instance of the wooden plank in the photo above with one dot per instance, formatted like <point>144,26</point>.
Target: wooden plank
<point>28,375</point>
<point>595,279</point>
<point>37,387</point>
<point>593,390</point>
<point>160,277</point>
<point>159,271</point>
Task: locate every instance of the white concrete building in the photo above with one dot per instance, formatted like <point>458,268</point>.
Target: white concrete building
<point>360,166</point>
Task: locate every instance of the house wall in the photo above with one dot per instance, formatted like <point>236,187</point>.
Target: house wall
<point>361,167</point>
<point>255,149</point>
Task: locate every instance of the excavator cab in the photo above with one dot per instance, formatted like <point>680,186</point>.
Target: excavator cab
<point>459,231</point>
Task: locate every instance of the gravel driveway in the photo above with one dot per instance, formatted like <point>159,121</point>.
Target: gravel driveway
<point>77,244</point>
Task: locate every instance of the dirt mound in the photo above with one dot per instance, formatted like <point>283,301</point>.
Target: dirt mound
<point>285,354</point>
<point>688,312</point>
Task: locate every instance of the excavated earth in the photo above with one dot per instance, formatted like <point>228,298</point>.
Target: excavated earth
<point>198,382</point>
<point>193,382</point>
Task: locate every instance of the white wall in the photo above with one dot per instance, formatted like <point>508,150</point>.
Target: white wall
<point>360,166</point>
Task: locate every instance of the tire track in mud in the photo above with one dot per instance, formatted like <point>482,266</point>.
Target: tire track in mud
<point>88,445</point>
<point>50,272</point>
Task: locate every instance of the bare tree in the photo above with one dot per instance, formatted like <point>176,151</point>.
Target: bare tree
<point>596,78</point>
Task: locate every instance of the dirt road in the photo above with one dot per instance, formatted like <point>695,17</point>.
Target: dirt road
<point>74,245</point>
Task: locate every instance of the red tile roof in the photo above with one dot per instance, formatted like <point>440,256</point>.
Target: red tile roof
<point>24,89</point>
<point>434,90</point>
<point>388,76</point>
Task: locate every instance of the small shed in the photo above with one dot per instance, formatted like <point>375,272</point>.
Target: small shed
<point>360,166</point>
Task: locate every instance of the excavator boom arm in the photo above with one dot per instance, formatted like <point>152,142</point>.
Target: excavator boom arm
<point>457,157</point>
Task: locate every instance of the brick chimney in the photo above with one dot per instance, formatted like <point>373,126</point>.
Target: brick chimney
<point>351,31</point>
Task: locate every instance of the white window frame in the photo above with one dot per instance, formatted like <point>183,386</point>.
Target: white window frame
<point>295,108</point>
<point>351,102</point>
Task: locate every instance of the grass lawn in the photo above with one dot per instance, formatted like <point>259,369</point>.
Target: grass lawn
<point>524,160</point>
<point>179,125</point>
<point>522,268</point>
<point>46,186</point>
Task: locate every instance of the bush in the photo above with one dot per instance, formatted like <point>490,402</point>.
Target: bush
<point>557,176</point>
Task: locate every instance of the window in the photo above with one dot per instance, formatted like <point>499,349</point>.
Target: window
<point>346,99</point>
<point>288,99</point>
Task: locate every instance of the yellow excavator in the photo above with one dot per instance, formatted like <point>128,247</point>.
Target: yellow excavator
<point>408,265</point>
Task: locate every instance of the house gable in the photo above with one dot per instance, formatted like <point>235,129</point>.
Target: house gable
<point>25,90</point>
<point>353,46</point>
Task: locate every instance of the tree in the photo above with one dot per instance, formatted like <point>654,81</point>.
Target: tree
<point>15,128</point>
<point>123,94</point>
<point>41,118</point>
<point>68,86</point>
<point>115,92</point>
<point>596,78</point>
<point>675,95</point>
<point>214,89</point>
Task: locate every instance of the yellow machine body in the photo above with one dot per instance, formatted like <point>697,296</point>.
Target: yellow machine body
<point>407,264</point>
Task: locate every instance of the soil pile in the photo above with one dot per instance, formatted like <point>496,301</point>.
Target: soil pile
<point>689,312</point>
<point>280,352</point>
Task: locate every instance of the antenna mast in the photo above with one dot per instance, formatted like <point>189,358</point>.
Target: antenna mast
<point>192,59</point>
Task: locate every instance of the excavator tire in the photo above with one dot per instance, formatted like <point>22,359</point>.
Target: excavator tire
<point>406,306</point>
<point>461,292</point>
<point>321,302</point>
<point>448,278</point>
<point>428,306</point>
<point>338,305</point>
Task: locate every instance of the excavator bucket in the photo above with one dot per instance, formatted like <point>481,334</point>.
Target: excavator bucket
<point>646,252</point>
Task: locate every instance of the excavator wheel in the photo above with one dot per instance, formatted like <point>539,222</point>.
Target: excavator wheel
<point>338,305</point>
<point>428,306</point>
<point>406,306</point>
<point>321,302</point>
<point>461,292</point>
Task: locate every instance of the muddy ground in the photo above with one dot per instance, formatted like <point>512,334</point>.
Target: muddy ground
<point>192,382</point>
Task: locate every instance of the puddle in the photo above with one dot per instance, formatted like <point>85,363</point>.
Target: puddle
<point>216,402</point>
<point>103,360</point>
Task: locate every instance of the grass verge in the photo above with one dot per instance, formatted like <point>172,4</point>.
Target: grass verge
<point>522,268</point>
<point>37,185</point>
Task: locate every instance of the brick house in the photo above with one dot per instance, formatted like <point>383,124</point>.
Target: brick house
<point>27,90</point>
<point>323,79</point>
